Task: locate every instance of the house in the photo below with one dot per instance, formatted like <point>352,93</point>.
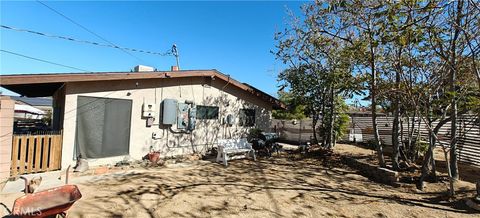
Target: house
<point>25,111</point>
<point>109,116</point>
<point>44,103</point>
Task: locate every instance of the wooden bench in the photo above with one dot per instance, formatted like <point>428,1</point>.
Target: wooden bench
<point>230,149</point>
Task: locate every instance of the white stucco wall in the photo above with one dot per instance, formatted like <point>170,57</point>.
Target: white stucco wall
<point>229,101</point>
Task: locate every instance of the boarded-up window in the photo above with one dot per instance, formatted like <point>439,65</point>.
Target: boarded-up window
<point>103,127</point>
<point>207,112</point>
<point>247,117</point>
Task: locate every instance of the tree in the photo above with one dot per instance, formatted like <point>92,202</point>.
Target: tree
<point>452,37</point>
<point>295,109</point>
<point>420,59</point>
<point>320,70</point>
<point>359,26</point>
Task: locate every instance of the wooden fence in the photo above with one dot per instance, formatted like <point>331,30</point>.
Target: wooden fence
<point>36,153</point>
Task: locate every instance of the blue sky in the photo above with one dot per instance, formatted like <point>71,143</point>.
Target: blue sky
<point>233,37</point>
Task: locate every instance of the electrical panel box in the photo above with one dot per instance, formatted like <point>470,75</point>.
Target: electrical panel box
<point>169,112</point>
<point>182,116</point>
<point>192,117</point>
<point>148,109</point>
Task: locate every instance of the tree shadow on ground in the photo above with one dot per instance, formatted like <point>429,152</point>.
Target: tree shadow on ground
<point>246,187</point>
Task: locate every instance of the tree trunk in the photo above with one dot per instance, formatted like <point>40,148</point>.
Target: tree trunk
<point>431,141</point>
<point>429,155</point>
<point>453,135</point>
<point>396,124</point>
<point>450,175</point>
<point>395,133</point>
<point>418,137</point>
<point>331,125</point>
<point>324,135</point>
<point>433,170</point>
<point>411,141</point>
<point>426,161</point>
<point>314,124</point>
<point>453,75</point>
<point>402,140</point>
<point>373,94</point>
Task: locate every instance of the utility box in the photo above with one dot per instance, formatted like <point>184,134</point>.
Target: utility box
<point>192,117</point>
<point>148,109</point>
<point>169,111</point>
<point>182,113</point>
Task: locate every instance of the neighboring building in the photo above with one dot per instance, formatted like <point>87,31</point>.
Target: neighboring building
<point>107,117</point>
<point>32,108</point>
<point>44,103</point>
<point>27,112</point>
<point>31,115</point>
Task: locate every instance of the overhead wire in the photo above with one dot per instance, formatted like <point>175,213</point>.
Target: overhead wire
<point>110,44</point>
<point>62,65</point>
<point>90,31</point>
<point>42,60</point>
<point>166,53</point>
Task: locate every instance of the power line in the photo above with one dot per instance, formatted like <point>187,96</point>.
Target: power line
<point>62,65</point>
<point>167,53</point>
<point>86,29</point>
<point>45,61</point>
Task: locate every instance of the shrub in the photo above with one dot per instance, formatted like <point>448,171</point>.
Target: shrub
<point>421,147</point>
<point>372,144</point>
<point>254,133</point>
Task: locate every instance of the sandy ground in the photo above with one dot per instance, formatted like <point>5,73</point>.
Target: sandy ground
<point>283,186</point>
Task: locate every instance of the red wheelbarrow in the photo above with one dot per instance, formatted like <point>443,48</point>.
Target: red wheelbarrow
<point>47,203</point>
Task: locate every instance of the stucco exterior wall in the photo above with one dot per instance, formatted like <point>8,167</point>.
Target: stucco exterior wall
<point>202,91</point>
<point>7,108</point>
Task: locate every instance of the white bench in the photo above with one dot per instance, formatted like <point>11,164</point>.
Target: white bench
<point>229,149</point>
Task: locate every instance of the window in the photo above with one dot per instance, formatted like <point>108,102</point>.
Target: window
<point>207,112</point>
<point>247,117</point>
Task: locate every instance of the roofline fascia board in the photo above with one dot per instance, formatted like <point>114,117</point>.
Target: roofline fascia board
<point>83,77</point>
<point>23,79</point>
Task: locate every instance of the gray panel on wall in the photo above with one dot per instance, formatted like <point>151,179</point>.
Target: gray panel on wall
<point>103,127</point>
<point>169,111</point>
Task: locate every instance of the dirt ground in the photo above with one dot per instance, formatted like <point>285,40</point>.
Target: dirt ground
<point>288,185</point>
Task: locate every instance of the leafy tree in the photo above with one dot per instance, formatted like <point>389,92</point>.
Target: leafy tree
<point>295,108</point>
<point>417,59</point>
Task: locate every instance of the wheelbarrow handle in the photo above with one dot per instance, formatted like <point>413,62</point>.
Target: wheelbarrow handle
<point>66,174</point>
<point>26,184</point>
<point>27,181</point>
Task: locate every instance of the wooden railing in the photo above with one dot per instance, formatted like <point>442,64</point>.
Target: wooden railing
<point>36,153</point>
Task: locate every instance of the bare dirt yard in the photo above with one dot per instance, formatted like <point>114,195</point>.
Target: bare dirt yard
<point>287,185</point>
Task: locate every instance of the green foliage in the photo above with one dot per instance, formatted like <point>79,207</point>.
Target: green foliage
<point>341,125</point>
<point>47,118</point>
<point>413,58</point>
<point>371,144</point>
<point>254,133</point>
<point>295,108</point>
<point>342,120</point>
<point>421,146</point>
